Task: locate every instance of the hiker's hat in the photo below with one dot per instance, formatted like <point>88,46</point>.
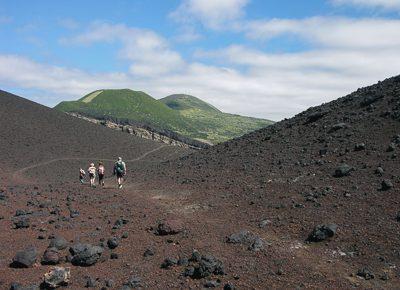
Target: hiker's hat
<point>91,164</point>
<point>119,158</point>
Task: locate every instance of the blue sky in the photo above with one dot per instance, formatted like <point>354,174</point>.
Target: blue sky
<point>263,58</point>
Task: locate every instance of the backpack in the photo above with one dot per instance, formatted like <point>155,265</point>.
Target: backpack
<point>120,167</point>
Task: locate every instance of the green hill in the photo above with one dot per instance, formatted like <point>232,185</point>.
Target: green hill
<point>184,114</point>
<point>210,123</point>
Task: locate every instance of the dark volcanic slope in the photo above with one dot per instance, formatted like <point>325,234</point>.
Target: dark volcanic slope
<point>285,173</point>
<point>31,133</point>
<point>276,183</point>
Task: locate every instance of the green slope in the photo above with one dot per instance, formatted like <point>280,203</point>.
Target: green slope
<point>184,114</point>
<point>210,123</point>
<point>126,104</point>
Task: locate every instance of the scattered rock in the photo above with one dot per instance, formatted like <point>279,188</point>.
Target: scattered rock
<point>211,284</point>
<point>337,127</point>
<point>169,263</point>
<point>359,147</point>
<point>229,286</point>
<point>21,223</point>
<point>379,171</point>
<point>25,258</point>
<point>264,223</point>
<point>322,232</point>
<point>204,266</point>
<point>90,282</point>
<point>85,254</point>
<point>386,185</point>
<point>253,242</point>
<point>148,253</point>
<point>366,274</point>
<point>57,277</point>
<point>17,286</point>
<point>51,257</point>
<point>343,170</point>
<point>59,243</point>
<point>391,147</point>
<point>169,227</point>
<point>112,243</point>
<point>133,282</point>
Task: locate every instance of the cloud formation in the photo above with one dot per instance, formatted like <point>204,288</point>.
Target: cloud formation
<point>211,13</point>
<point>149,52</point>
<point>385,4</point>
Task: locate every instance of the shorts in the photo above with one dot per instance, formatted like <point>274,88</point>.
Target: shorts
<point>91,175</point>
<point>101,177</point>
<point>120,174</point>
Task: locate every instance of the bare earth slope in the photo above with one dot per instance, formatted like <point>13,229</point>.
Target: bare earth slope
<point>272,187</point>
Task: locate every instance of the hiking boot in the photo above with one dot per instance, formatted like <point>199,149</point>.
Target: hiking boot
<point>120,186</point>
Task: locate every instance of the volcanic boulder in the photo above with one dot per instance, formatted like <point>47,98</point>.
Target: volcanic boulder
<point>85,254</point>
<point>51,257</point>
<point>59,243</point>
<point>25,258</point>
<point>252,241</point>
<point>322,232</point>
<point>202,266</point>
<point>343,170</point>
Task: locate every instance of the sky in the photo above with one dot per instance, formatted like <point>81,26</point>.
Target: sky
<point>263,58</point>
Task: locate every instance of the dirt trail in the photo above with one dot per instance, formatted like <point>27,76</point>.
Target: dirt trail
<point>17,175</point>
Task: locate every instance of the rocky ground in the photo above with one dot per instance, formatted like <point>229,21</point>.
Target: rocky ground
<point>309,203</point>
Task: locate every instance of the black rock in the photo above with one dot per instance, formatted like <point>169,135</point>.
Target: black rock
<point>207,266</point>
<point>386,185</point>
<point>20,212</point>
<point>114,256</point>
<point>229,286</point>
<point>366,274</point>
<point>25,258</point>
<point>253,242</point>
<point>85,254</point>
<point>183,261</point>
<point>59,243</point>
<point>16,286</point>
<point>148,253</point>
<point>322,232</point>
<point>391,147</point>
<point>133,282</point>
<point>343,170</point>
<point>211,284</point>
<point>21,223</point>
<point>73,213</point>
<point>112,243</point>
<point>359,147</point>
<point>379,171</point>
<point>169,263</point>
<point>90,282</point>
<point>337,127</point>
<point>110,283</point>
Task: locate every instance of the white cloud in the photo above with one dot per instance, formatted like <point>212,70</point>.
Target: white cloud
<point>330,32</point>
<point>385,4</point>
<point>346,54</point>
<point>211,13</point>
<point>148,52</point>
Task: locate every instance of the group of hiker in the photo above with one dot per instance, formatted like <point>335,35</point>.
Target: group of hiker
<point>119,171</point>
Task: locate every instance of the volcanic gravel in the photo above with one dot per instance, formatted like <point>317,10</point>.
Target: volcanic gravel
<point>311,202</point>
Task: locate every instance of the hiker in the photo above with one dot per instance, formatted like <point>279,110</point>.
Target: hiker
<point>101,171</point>
<point>120,171</point>
<point>82,174</point>
<point>92,174</point>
